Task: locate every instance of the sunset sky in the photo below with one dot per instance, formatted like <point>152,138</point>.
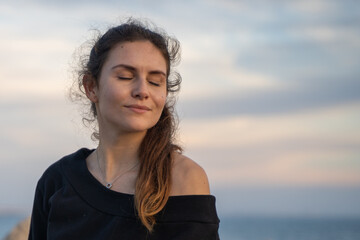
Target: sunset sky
<point>269,105</point>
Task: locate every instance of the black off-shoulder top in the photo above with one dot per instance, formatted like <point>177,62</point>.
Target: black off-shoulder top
<point>71,204</point>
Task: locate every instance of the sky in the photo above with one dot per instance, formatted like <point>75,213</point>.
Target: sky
<point>269,104</point>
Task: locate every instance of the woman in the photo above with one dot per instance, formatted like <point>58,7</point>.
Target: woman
<point>136,184</point>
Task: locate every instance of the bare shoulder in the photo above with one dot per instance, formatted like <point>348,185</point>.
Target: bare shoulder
<point>188,178</point>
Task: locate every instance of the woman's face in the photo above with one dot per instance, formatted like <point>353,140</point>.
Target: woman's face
<point>131,91</point>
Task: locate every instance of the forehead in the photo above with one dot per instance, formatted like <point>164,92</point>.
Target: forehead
<point>139,54</point>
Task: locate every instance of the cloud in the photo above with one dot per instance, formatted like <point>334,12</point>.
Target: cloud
<point>308,148</point>
<point>207,76</point>
<point>310,7</point>
<point>338,122</point>
<point>298,98</point>
<point>292,63</point>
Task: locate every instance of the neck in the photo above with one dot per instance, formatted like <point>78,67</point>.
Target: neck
<point>118,154</point>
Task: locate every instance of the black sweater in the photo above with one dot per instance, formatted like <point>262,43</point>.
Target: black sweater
<point>71,204</point>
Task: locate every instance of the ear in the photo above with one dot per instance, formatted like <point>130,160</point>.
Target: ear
<point>91,88</point>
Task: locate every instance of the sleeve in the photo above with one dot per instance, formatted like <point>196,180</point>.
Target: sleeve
<point>39,216</point>
<point>188,217</point>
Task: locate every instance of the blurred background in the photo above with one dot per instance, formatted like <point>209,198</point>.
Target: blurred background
<point>269,105</point>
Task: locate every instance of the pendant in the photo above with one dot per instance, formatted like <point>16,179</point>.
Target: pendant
<point>108,185</point>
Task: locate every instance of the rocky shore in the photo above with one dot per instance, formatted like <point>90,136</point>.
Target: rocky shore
<point>20,231</point>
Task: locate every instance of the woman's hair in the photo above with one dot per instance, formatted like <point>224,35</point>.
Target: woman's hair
<point>155,153</point>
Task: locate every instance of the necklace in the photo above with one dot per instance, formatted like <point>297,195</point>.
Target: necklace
<point>108,185</point>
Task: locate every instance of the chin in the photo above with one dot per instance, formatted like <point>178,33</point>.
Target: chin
<point>139,127</point>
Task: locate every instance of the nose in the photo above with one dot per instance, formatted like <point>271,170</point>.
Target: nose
<point>140,89</point>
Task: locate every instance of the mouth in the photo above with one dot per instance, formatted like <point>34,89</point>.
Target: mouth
<point>138,108</point>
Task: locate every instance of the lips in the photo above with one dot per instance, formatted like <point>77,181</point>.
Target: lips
<point>138,108</point>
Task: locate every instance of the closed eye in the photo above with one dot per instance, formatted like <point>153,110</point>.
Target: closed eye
<point>124,78</point>
<point>155,84</point>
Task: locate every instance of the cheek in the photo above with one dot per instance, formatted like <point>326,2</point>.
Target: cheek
<point>113,94</point>
<point>159,97</point>
<point>162,101</point>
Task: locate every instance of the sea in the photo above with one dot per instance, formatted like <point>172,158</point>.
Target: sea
<point>262,228</point>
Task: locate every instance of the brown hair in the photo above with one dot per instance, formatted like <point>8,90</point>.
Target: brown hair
<point>155,153</point>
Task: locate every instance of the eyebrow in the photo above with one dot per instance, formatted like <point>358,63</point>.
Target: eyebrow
<point>131,68</point>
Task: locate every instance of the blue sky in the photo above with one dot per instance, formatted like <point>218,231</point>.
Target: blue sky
<point>269,106</point>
